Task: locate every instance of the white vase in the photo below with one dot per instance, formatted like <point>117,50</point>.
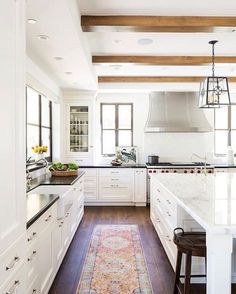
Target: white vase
<point>39,156</point>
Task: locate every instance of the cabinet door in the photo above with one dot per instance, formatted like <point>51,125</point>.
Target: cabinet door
<point>58,244</point>
<point>140,185</point>
<point>79,121</point>
<point>12,123</point>
<point>46,257</point>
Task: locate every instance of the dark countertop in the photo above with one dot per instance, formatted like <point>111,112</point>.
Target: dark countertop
<point>112,166</point>
<point>48,179</point>
<point>37,204</point>
<point>224,166</point>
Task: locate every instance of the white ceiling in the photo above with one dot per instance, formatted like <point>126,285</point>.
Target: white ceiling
<point>158,7</point>
<point>126,43</point>
<point>60,20</point>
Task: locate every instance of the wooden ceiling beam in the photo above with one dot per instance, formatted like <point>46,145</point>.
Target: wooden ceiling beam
<point>151,79</point>
<point>162,60</point>
<point>133,23</point>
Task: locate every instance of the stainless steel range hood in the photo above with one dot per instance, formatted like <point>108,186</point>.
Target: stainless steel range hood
<point>175,112</point>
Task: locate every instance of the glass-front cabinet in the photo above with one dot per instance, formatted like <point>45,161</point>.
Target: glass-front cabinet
<point>79,128</point>
<point>79,131</point>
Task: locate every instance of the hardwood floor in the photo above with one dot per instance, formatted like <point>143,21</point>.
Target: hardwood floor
<point>160,270</point>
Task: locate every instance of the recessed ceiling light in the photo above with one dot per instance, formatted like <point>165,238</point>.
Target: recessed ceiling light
<point>31,21</point>
<point>117,41</point>
<point>43,37</point>
<point>145,41</point>
<point>58,58</point>
<point>115,66</point>
<point>68,73</point>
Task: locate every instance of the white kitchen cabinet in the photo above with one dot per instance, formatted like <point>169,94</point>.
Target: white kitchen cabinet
<point>90,184</point>
<point>166,215</point>
<point>12,117</point>
<point>17,283</point>
<point>116,184</point>
<point>45,248</point>
<point>140,186</point>
<point>79,131</point>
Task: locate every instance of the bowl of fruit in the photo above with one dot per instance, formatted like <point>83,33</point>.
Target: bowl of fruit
<point>60,169</point>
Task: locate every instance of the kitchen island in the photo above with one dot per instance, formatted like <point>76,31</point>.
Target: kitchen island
<point>211,201</point>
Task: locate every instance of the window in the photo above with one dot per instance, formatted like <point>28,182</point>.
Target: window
<point>225,129</point>
<point>117,126</point>
<point>39,122</point>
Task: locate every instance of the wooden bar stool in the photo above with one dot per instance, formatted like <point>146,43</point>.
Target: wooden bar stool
<point>191,244</point>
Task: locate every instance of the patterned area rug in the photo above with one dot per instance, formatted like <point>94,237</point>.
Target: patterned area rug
<point>115,263</point>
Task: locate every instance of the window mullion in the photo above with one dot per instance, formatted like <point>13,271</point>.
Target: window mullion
<point>40,120</point>
<point>229,126</point>
<point>116,125</point>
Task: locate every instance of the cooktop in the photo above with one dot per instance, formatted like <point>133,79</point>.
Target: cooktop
<point>177,164</point>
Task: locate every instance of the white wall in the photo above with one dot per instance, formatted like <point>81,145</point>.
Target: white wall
<point>43,83</point>
<point>169,146</point>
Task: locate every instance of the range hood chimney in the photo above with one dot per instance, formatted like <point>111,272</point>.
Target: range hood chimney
<point>175,112</point>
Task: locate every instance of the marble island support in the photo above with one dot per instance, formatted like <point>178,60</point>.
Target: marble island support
<point>211,201</point>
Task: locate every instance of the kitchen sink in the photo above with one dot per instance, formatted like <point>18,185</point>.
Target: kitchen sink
<point>65,193</point>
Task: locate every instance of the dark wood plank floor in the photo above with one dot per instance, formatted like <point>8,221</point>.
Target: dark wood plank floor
<point>160,270</point>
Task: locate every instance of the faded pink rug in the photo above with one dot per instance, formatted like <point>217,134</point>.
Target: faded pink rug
<point>115,263</point>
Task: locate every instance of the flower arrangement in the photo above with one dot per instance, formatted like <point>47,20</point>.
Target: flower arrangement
<point>40,149</point>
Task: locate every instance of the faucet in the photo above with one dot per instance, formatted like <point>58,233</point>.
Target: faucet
<point>29,177</point>
<point>202,158</point>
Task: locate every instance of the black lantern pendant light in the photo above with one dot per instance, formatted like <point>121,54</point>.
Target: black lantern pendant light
<point>214,91</point>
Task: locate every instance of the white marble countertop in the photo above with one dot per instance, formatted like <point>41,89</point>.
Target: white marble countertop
<point>210,199</point>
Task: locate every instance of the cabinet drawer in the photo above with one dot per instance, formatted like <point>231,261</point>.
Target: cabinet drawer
<point>17,283</point>
<point>32,262</point>
<point>115,171</point>
<point>90,195</point>
<point>11,259</point>
<point>32,233</point>
<point>47,218</point>
<point>114,180</point>
<point>34,287</point>
<point>90,182</point>
<point>115,193</point>
<point>90,172</point>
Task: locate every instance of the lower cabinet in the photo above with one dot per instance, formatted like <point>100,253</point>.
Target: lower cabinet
<point>48,240</point>
<point>166,215</point>
<point>115,186</point>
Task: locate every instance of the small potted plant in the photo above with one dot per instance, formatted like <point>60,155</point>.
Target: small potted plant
<point>39,151</point>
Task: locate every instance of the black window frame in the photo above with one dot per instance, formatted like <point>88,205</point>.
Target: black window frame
<point>40,126</point>
<point>116,129</point>
<point>229,129</point>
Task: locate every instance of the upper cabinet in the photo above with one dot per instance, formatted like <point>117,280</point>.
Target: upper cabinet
<point>12,124</point>
<point>79,131</point>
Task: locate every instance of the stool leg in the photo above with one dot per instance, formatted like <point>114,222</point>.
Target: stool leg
<point>187,273</point>
<point>177,271</point>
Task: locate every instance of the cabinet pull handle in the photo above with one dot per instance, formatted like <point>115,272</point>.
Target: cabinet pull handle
<point>13,287</point>
<point>12,264</point>
<point>168,213</point>
<point>158,191</point>
<point>32,236</point>
<point>32,256</point>
<point>114,172</point>
<point>158,200</point>
<point>114,179</point>
<point>48,218</point>
<point>168,201</point>
<point>35,291</point>
<point>61,223</point>
<point>67,214</point>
